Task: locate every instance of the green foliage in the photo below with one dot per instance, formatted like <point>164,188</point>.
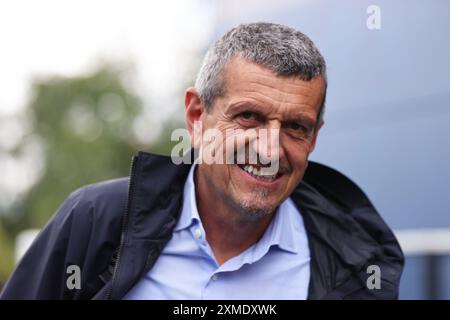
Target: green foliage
<point>6,255</point>
<point>84,126</point>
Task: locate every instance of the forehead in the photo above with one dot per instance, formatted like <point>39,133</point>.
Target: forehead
<point>248,82</point>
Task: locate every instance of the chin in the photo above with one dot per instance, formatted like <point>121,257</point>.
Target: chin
<point>255,207</point>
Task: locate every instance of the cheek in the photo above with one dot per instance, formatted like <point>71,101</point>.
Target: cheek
<point>298,159</point>
<point>297,152</point>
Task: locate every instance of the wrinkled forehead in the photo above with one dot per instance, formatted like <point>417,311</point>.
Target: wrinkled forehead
<point>247,81</point>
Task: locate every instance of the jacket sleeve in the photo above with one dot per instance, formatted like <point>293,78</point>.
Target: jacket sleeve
<point>41,273</point>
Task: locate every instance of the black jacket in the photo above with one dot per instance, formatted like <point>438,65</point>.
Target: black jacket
<point>115,231</point>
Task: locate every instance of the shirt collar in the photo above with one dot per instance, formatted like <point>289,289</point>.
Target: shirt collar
<point>284,226</point>
<point>189,213</point>
<point>280,232</point>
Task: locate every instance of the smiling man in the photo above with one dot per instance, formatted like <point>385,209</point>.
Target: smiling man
<point>230,230</point>
<point>255,98</point>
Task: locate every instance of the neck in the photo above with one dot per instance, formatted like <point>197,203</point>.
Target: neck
<point>228,232</point>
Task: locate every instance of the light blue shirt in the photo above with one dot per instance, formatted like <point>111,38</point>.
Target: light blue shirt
<point>276,267</point>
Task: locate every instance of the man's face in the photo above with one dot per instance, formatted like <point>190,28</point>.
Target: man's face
<point>256,98</point>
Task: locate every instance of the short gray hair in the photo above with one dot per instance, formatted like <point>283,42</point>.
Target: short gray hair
<point>284,50</point>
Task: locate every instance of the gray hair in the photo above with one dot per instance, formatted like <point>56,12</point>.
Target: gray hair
<point>284,50</point>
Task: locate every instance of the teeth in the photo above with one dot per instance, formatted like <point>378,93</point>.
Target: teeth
<point>257,173</point>
<point>249,169</point>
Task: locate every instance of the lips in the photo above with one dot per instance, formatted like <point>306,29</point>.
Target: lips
<point>258,173</point>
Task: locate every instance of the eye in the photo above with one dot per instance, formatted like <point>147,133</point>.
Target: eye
<point>250,116</point>
<point>249,119</point>
<point>295,126</point>
<point>297,130</point>
<point>247,115</point>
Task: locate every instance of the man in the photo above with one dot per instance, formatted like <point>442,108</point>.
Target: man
<point>229,230</point>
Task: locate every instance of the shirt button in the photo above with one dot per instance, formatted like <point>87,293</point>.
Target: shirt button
<point>197,233</point>
<point>215,277</point>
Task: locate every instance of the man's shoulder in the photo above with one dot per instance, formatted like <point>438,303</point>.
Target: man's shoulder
<point>342,219</point>
<point>104,200</point>
<point>107,190</point>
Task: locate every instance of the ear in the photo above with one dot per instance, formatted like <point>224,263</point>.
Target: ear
<point>194,110</point>
<point>316,133</point>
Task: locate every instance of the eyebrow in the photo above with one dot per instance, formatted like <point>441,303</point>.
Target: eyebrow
<point>246,105</point>
<point>262,110</point>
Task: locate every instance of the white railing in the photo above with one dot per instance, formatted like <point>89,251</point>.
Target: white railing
<point>424,241</point>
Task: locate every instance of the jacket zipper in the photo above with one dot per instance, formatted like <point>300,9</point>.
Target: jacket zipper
<point>124,228</point>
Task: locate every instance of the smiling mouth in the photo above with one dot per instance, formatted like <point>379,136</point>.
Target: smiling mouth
<point>256,172</point>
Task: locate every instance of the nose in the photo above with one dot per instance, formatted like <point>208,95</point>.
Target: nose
<point>267,145</point>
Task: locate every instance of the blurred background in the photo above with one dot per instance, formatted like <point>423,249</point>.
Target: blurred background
<point>85,84</point>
